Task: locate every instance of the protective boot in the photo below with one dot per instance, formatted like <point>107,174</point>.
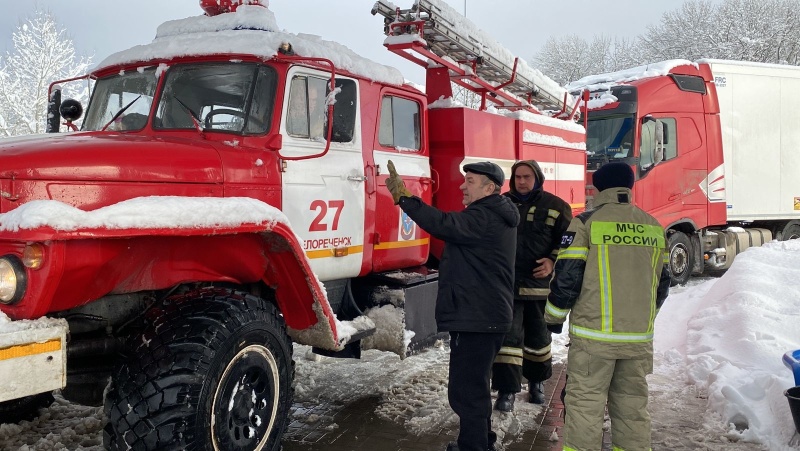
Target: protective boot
<point>505,402</point>
<point>536,392</point>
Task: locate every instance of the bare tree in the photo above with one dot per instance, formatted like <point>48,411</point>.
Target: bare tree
<point>42,53</point>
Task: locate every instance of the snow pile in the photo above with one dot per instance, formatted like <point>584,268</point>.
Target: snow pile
<point>728,337</point>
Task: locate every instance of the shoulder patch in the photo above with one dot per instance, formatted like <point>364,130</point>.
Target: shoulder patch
<point>567,238</point>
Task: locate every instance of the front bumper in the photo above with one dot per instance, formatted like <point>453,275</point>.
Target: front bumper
<point>33,357</point>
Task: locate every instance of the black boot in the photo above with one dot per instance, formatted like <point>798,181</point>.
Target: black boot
<point>537,392</point>
<point>505,402</point>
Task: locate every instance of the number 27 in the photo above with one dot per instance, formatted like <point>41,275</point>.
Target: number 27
<point>317,225</point>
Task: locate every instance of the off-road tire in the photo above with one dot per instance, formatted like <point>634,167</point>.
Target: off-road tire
<point>681,258</point>
<point>24,409</point>
<point>212,370</point>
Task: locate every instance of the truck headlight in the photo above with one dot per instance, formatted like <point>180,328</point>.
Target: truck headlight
<point>13,279</point>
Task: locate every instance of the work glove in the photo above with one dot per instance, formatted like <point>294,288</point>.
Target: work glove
<point>396,185</point>
<point>555,328</point>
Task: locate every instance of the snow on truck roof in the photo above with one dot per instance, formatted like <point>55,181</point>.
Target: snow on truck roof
<point>250,30</point>
<point>605,81</point>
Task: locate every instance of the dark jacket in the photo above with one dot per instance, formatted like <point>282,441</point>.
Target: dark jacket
<point>544,218</point>
<point>476,272</point>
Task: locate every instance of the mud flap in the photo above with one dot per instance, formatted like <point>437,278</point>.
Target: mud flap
<point>402,304</point>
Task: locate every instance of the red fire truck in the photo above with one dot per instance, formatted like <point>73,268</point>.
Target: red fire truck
<point>713,146</point>
<point>225,197</point>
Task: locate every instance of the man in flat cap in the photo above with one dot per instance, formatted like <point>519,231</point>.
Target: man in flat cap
<point>476,281</point>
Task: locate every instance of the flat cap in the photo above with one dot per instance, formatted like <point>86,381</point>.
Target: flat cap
<point>489,169</point>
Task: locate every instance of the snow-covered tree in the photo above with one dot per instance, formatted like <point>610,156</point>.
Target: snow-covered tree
<point>43,53</point>
<point>766,31</point>
<point>570,57</point>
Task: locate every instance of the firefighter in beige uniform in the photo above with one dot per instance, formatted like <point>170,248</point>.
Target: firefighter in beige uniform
<point>611,277</point>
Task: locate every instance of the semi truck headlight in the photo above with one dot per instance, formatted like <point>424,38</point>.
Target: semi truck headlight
<point>13,279</point>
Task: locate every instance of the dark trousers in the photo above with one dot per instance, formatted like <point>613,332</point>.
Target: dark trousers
<point>526,349</point>
<point>471,357</point>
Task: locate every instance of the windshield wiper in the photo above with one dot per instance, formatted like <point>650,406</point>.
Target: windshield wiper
<point>195,119</point>
<point>119,113</point>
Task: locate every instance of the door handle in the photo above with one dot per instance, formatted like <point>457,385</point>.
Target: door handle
<point>357,178</point>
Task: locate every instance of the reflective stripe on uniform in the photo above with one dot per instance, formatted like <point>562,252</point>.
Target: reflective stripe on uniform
<point>552,215</point>
<point>509,355</point>
<point>554,311</point>
<point>604,270</point>
<point>538,355</point>
<point>534,291</point>
<point>510,351</point>
<point>619,337</point>
<point>580,253</point>
<point>627,234</point>
<point>529,216</point>
<point>654,288</point>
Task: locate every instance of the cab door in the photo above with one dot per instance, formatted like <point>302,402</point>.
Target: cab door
<point>659,189</point>
<point>323,197</point>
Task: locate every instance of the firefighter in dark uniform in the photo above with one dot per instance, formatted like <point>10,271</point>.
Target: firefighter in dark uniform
<point>611,277</point>
<point>476,278</point>
<point>544,218</point>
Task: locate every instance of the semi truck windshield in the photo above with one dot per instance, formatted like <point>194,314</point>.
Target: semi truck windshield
<point>610,138</point>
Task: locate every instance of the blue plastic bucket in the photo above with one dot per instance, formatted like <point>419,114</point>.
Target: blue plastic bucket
<point>792,361</point>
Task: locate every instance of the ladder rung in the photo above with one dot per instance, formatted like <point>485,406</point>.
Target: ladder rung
<point>444,40</point>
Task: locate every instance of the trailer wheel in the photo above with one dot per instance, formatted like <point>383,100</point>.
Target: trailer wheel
<point>791,231</point>
<point>24,409</point>
<point>213,371</point>
<point>680,258</point>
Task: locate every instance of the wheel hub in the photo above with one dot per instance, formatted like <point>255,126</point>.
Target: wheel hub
<point>679,259</point>
<point>246,401</point>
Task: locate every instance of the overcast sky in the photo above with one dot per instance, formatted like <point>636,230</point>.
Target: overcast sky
<point>101,27</point>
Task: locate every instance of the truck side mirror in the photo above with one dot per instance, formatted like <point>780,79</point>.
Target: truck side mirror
<point>71,110</point>
<point>53,112</point>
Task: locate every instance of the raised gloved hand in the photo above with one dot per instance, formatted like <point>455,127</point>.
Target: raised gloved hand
<point>555,328</point>
<point>396,185</point>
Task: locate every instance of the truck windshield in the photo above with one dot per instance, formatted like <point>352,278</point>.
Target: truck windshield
<point>609,138</point>
<point>230,97</point>
<point>134,90</point>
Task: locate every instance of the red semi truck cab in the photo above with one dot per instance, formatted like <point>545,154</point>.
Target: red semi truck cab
<point>710,152</point>
<point>225,198</point>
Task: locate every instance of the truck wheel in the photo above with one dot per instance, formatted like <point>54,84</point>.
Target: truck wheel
<point>791,231</point>
<point>680,258</point>
<point>24,409</point>
<point>212,371</point>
